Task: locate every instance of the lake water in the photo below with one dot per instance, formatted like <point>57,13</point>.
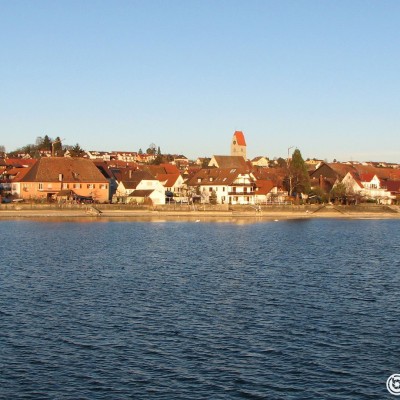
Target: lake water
<point>304,309</point>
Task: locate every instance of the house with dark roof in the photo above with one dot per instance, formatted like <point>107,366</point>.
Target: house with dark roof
<point>50,175</point>
<point>327,175</point>
<point>228,162</point>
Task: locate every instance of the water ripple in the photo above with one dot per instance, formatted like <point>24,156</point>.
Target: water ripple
<point>296,310</point>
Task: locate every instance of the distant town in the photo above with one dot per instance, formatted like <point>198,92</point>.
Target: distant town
<point>52,172</point>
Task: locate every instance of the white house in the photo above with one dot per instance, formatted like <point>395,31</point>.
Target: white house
<point>139,184</point>
<point>368,186</point>
<point>233,186</point>
<point>268,193</point>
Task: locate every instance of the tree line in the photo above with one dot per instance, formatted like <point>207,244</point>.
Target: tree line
<point>54,146</point>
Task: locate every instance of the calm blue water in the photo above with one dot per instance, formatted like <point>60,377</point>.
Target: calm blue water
<point>181,310</point>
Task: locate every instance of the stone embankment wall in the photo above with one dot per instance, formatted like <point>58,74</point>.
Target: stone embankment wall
<point>367,208</point>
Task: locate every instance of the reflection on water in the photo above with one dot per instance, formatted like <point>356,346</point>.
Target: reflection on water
<point>157,219</point>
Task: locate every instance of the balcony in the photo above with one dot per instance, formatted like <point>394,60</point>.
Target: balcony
<point>252,193</point>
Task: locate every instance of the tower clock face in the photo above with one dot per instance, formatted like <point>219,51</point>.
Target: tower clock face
<point>234,142</point>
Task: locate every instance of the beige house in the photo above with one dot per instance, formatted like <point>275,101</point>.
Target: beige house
<point>260,162</point>
<point>51,175</point>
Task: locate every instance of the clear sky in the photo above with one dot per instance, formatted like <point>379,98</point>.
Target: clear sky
<point>119,75</point>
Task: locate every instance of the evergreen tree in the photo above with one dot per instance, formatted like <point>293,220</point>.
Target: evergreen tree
<point>76,151</point>
<point>158,160</point>
<point>57,147</point>
<point>281,162</point>
<point>299,179</point>
<point>151,149</point>
<point>46,144</point>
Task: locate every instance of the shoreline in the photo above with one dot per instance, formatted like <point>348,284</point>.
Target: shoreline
<point>191,214</point>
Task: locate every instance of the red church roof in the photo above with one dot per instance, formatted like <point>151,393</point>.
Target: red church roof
<point>240,138</point>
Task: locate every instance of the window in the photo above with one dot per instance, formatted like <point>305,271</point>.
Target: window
<point>77,185</point>
<point>40,186</point>
<point>65,185</point>
<point>103,186</point>
<point>90,186</point>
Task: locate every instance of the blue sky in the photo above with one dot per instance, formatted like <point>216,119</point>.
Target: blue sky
<point>119,75</point>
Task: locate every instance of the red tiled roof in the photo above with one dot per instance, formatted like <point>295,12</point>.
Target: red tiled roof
<point>17,173</point>
<point>72,170</point>
<point>168,180</point>
<point>170,169</point>
<point>264,186</point>
<point>366,177</point>
<point>215,176</point>
<point>20,162</point>
<point>240,138</point>
<point>128,175</point>
<point>393,186</point>
<point>231,162</point>
<point>276,175</point>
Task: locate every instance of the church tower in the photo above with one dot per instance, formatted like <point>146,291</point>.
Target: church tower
<point>238,145</point>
